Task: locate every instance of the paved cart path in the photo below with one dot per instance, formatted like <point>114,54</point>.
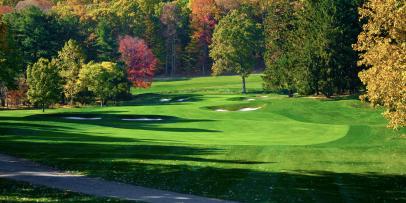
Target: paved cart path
<point>24,170</point>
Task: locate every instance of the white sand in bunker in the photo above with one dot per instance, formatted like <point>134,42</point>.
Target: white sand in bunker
<point>222,110</point>
<point>81,118</point>
<point>250,109</point>
<point>165,100</point>
<point>250,99</point>
<point>243,109</point>
<point>142,119</point>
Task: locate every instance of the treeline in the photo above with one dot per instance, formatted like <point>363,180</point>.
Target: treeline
<point>304,46</point>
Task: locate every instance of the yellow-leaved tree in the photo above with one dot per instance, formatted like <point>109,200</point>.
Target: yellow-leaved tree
<point>382,45</point>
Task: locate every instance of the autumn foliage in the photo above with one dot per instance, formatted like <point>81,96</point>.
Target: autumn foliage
<point>6,9</point>
<point>44,5</point>
<point>140,61</point>
<point>382,44</point>
<point>203,19</point>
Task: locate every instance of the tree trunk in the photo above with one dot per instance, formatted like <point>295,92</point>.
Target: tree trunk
<point>244,89</point>
<point>205,56</point>
<point>3,102</point>
<point>43,107</point>
<point>173,57</point>
<point>290,93</point>
<point>101,103</point>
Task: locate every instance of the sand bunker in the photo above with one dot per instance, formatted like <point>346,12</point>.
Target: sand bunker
<point>165,100</point>
<point>181,100</point>
<point>250,99</point>
<point>249,109</point>
<point>243,109</point>
<point>82,118</point>
<point>142,119</point>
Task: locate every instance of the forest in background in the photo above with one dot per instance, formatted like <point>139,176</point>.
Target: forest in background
<point>308,47</point>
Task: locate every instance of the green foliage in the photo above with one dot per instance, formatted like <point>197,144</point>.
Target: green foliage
<point>235,41</point>
<point>44,83</point>
<point>106,80</point>
<point>70,60</point>
<point>279,26</point>
<point>8,58</point>
<point>37,34</point>
<point>309,46</point>
<point>106,41</point>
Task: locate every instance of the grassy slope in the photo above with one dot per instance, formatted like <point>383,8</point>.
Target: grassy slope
<point>290,150</point>
<point>12,191</point>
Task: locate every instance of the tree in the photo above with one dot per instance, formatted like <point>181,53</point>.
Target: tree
<point>139,59</point>
<point>279,57</point>
<point>8,60</point>
<point>382,44</point>
<point>70,60</point>
<point>6,9</point>
<point>106,41</point>
<point>44,5</point>
<point>44,83</point>
<point>106,80</point>
<point>203,22</point>
<point>170,19</point>
<point>308,46</point>
<point>37,34</point>
<point>235,41</point>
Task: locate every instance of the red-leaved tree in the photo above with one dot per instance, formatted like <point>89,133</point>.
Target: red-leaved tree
<point>139,59</point>
<point>6,9</point>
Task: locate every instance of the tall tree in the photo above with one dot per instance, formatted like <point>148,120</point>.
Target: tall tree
<point>37,34</point>
<point>170,19</point>
<point>106,41</point>
<point>235,41</point>
<point>310,49</point>
<point>44,83</point>
<point>279,57</point>
<point>382,44</point>
<point>203,22</point>
<point>70,60</point>
<point>140,61</point>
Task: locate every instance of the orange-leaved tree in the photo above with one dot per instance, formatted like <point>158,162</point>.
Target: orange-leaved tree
<point>382,44</point>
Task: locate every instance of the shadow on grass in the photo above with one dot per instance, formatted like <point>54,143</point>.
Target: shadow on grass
<point>53,142</point>
<point>226,180</point>
<point>189,169</point>
<point>107,119</point>
<point>149,99</point>
<point>17,192</point>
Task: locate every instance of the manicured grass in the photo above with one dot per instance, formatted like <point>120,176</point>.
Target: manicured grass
<point>292,149</point>
<point>13,191</point>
